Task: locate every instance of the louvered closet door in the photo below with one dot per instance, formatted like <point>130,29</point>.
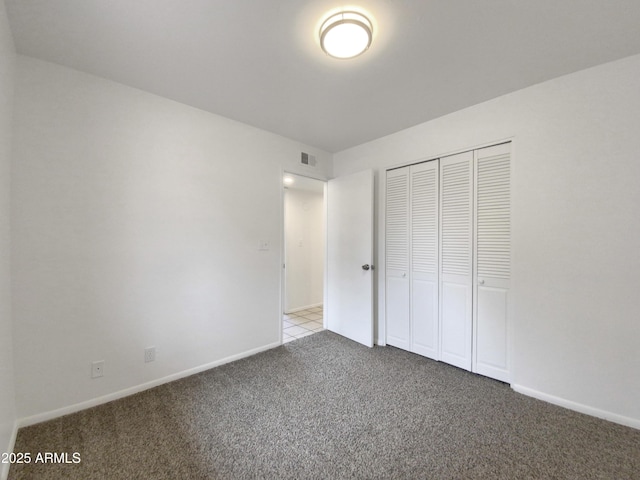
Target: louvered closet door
<point>424,259</point>
<point>493,260</point>
<point>456,267</point>
<point>397,259</point>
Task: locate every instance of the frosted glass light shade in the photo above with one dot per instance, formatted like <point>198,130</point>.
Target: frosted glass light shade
<point>346,35</point>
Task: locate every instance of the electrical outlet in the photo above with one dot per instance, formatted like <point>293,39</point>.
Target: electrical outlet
<point>97,369</point>
<point>149,354</point>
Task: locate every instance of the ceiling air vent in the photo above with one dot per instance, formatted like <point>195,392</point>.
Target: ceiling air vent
<point>307,159</point>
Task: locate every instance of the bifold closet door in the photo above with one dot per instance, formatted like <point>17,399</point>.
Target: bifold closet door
<point>493,260</point>
<point>424,201</point>
<point>456,259</point>
<point>397,259</point>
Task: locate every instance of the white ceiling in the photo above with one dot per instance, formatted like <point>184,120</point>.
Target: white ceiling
<point>258,61</point>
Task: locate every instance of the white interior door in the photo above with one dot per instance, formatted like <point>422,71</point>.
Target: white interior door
<point>493,261</point>
<point>349,303</point>
<point>397,259</point>
<point>425,333</point>
<point>456,256</point>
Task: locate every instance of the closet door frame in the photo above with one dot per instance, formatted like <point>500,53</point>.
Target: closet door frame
<point>499,286</point>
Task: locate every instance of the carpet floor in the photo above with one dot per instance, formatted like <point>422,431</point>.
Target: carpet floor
<point>323,407</point>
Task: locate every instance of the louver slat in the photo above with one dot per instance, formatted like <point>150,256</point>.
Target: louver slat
<point>456,218</point>
<point>397,225</point>
<point>494,217</point>
<point>424,214</point>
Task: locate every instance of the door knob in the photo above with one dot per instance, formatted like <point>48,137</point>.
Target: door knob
<point>481,282</point>
<point>366,266</point>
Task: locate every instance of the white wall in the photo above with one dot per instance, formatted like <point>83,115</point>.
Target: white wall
<point>304,242</point>
<point>576,228</point>
<point>137,222</point>
<point>7,398</point>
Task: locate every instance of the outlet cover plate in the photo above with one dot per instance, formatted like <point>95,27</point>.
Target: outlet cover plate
<point>149,354</point>
<point>97,369</point>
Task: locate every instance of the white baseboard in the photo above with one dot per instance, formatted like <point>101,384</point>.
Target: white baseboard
<point>43,417</point>
<point>578,407</point>
<point>299,309</point>
<point>4,468</point>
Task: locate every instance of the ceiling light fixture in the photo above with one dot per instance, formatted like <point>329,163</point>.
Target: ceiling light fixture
<point>288,180</point>
<point>346,34</point>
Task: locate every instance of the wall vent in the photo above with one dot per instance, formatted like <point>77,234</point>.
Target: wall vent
<point>307,159</point>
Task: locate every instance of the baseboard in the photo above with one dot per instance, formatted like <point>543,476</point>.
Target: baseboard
<point>578,407</point>
<point>50,415</point>
<point>4,468</point>
<point>299,309</point>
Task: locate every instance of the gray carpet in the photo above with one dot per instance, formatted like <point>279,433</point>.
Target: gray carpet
<point>324,407</point>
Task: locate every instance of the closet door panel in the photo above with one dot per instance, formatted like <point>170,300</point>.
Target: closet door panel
<point>425,318</point>
<point>424,259</point>
<point>456,331</point>
<point>397,259</point>
<point>491,332</point>
<point>456,259</point>
<point>398,313</point>
<point>493,261</point>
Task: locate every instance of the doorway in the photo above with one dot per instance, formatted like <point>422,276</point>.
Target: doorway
<point>304,257</point>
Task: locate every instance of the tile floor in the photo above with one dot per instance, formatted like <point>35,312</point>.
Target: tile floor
<point>302,323</point>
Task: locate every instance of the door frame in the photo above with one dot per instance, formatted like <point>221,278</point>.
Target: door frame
<point>283,173</point>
